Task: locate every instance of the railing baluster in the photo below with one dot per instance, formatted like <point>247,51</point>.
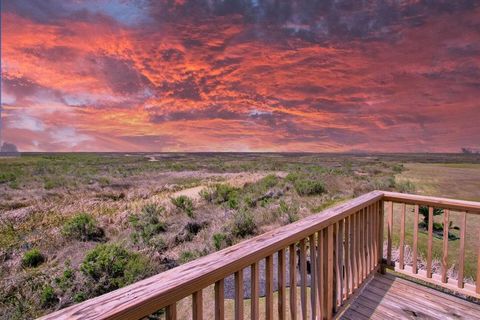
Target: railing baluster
<point>197,305</point>
<point>328,242</point>
<point>239,295</point>
<point>219,300</point>
<point>364,244</point>
<point>269,288</point>
<point>282,310</point>
<point>303,279</point>
<point>339,262</point>
<point>389,234</point>
<point>171,312</point>
<point>430,242</point>
<point>415,241</point>
<point>358,246</point>
<point>380,234</point>
<point>461,258</point>
<point>370,238</point>
<point>375,233</point>
<point>477,280</point>
<point>313,270</point>
<point>320,274</point>
<point>353,253</point>
<point>446,222</point>
<point>255,291</point>
<point>347,257</point>
<point>402,237</point>
<point>293,282</point>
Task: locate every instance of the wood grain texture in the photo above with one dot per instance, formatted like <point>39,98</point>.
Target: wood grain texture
<point>219,300</point>
<point>452,204</point>
<point>380,234</point>
<point>477,281</point>
<point>415,239</point>
<point>446,222</point>
<point>320,274</point>
<point>402,236</point>
<point>461,251</point>
<point>282,288</point>
<point>269,288</point>
<point>197,305</point>
<point>313,271</point>
<point>347,263</point>
<point>389,233</point>
<point>171,312</point>
<point>239,295</point>
<point>329,271</point>
<point>303,278</point>
<point>254,306</point>
<point>430,242</point>
<point>293,282</point>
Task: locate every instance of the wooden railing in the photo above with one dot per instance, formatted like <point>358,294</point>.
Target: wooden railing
<point>339,250</point>
<point>448,207</point>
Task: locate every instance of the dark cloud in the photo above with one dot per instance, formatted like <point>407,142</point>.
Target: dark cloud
<point>212,112</point>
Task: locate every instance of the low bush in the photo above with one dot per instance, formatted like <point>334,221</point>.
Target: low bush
<point>222,194</point>
<point>112,266</point>
<point>187,256</point>
<point>82,227</point>
<point>32,258</point>
<point>404,186</point>
<point>48,296</point>
<point>219,240</point>
<point>243,224</point>
<point>308,187</point>
<point>147,224</point>
<point>185,204</point>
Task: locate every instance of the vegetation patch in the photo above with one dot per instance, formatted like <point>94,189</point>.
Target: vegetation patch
<point>306,186</point>
<point>32,258</point>
<point>243,224</point>
<point>185,204</point>
<point>148,223</point>
<point>83,227</point>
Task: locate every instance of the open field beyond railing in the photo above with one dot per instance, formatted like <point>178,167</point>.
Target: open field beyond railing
<point>329,257</point>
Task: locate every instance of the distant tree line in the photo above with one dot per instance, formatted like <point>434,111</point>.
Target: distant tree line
<point>470,151</point>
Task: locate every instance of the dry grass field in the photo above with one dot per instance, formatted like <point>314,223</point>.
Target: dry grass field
<point>66,219</point>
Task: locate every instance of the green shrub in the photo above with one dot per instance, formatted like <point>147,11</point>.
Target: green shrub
<point>79,297</point>
<point>187,256</point>
<point>147,224</point>
<point>32,258</point>
<point>224,193</point>
<point>243,224</point>
<point>290,210</point>
<point>219,240</point>
<point>113,266</point>
<point>53,182</point>
<point>48,296</point>
<point>423,210</point>
<point>308,187</point>
<point>82,227</point>
<point>185,204</point>
<point>404,186</point>
<point>158,243</point>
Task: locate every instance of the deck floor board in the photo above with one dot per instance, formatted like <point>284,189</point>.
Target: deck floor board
<point>387,296</point>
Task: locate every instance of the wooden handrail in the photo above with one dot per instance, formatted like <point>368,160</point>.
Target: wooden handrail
<point>445,203</point>
<point>149,295</point>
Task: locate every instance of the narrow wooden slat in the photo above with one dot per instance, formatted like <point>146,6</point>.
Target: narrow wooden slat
<point>415,240</point>
<point>254,310</point>
<point>197,305</point>
<point>313,270</point>
<point>293,282</point>
<point>402,237</point>
<point>446,222</point>
<point>171,312</point>
<point>371,261</point>
<point>375,233</point>
<point>320,273</point>
<point>339,262</point>
<point>430,242</point>
<point>282,305</point>
<point>329,272</point>
<point>239,295</point>
<point>358,246</point>
<point>219,300</point>
<point>389,233</point>
<point>303,279</point>
<point>461,251</point>
<point>364,243</point>
<point>269,288</point>
<point>380,233</point>
<point>347,257</point>
<point>353,248</point>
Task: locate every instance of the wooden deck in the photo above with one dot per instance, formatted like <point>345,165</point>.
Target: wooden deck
<point>389,297</point>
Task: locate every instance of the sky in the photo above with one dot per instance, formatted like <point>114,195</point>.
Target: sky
<point>238,75</point>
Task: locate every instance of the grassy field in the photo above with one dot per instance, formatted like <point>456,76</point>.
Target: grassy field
<point>62,215</point>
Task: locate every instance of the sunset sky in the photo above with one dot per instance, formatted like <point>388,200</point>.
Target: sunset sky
<point>238,75</point>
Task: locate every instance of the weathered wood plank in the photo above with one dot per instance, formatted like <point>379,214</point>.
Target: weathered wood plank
<point>389,233</point>
<point>461,251</point>
<point>313,271</point>
<point>269,288</point>
<point>329,271</point>
<point>293,282</point>
<point>430,242</point>
<point>347,263</point>
<point>402,237</point>
<point>353,251</point>
<point>380,233</point>
<point>254,306</point>
<point>446,222</point>
<point>339,259</point>
<point>197,305</point>
<point>303,278</point>
<point>477,281</point>
<point>171,312</point>
<point>415,240</point>
<point>219,300</point>
<point>239,295</point>
<point>282,305</point>
<point>321,274</point>
<point>452,204</point>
